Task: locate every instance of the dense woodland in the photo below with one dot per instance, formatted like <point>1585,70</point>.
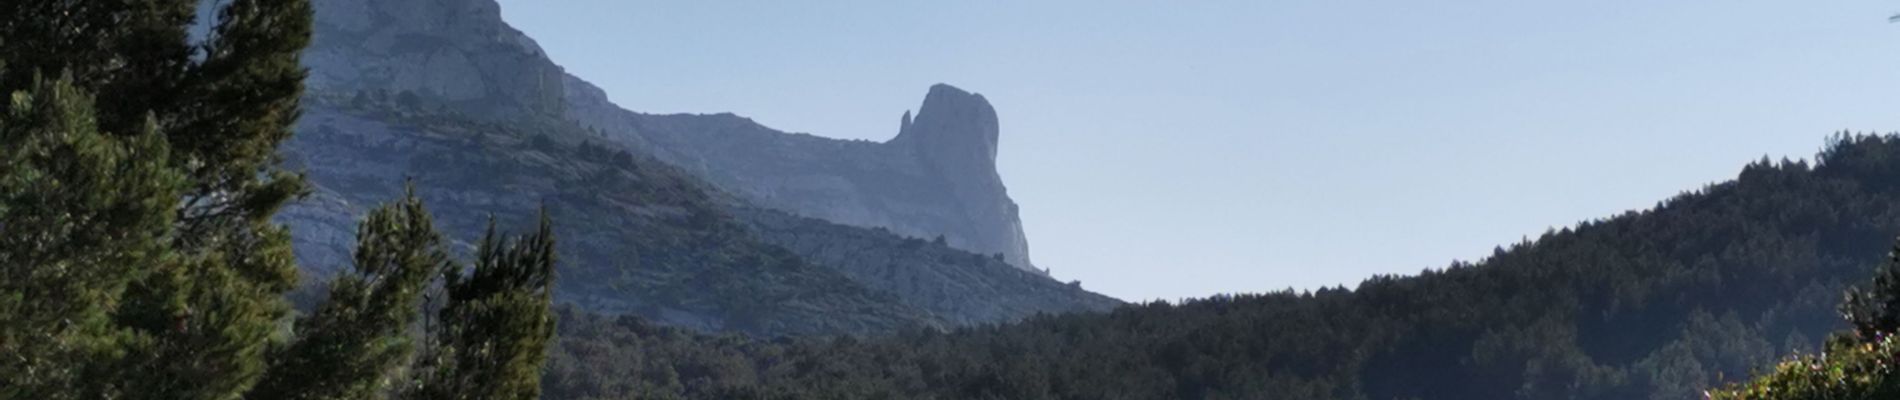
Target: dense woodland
<point>1706,288</point>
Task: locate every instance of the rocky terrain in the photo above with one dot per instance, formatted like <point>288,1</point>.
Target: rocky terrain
<point>446,96</point>
<point>455,52</point>
<point>936,177</point>
<point>635,237</point>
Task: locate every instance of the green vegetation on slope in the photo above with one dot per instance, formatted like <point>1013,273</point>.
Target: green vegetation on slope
<point>1848,370</point>
<point>961,287</point>
<point>1863,363</point>
<point>1654,304</point>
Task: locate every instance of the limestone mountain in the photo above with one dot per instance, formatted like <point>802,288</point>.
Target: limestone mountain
<point>444,94</point>
<point>938,177</point>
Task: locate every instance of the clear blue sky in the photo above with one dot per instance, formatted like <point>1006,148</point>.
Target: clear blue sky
<point>1182,149</point>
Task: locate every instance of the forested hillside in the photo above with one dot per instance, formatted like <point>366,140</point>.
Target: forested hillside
<point>961,287</point>
<point>1662,303</point>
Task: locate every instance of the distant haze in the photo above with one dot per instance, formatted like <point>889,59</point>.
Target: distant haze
<point>1183,149</point>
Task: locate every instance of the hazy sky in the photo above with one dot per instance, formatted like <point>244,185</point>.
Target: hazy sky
<point>1182,149</point>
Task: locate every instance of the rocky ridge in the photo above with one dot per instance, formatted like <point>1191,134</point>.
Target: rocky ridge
<point>491,136</point>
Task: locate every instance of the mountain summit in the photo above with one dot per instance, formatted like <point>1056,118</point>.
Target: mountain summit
<point>955,134</point>
<point>952,123</point>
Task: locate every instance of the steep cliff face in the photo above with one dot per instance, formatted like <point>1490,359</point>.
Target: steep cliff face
<point>459,53</point>
<point>936,178</point>
<point>955,135</point>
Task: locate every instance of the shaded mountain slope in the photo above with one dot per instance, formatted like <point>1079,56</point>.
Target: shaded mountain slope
<point>1653,304</point>
<point>636,236</point>
<point>462,55</point>
<point>445,92</point>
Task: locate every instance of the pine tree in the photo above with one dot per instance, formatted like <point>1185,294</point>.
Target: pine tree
<point>77,206</point>
<point>492,336</point>
<point>356,340</point>
<point>138,259</point>
<point>1874,311</point>
<point>213,315</point>
<point>197,321</point>
<point>135,50</point>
